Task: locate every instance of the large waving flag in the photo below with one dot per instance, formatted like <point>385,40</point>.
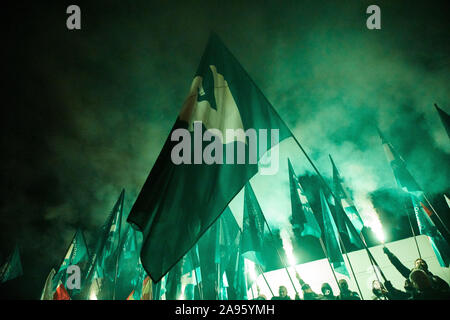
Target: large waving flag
<point>423,214</point>
<point>103,264</point>
<point>445,118</point>
<point>348,206</point>
<point>12,268</point>
<point>78,255</point>
<point>302,214</point>
<point>179,202</point>
<point>331,238</point>
<point>427,227</point>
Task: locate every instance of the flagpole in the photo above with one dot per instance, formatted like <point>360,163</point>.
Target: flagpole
<point>260,269</point>
<point>347,196</point>
<point>301,148</point>
<point>119,243</point>
<point>200,291</point>
<point>329,263</point>
<point>278,252</point>
<point>410,224</point>
<point>264,277</point>
<point>329,190</point>
<point>350,265</point>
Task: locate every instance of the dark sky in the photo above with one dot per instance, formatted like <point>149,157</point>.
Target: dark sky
<point>86,112</point>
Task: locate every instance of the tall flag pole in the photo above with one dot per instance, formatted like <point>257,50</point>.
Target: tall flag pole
<point>255,213</point>
<point>348,205</point>
<point>445,118</point>
<point>303,215</point>
<point>407,183</point>
<point>222,97</point>
<point>327,187</point>
<point>350,210</point>
<point>257,242</point>
<point>399,169</point>
<point>333,239</point>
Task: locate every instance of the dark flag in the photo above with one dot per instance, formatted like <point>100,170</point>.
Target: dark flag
<point>179,202</point>
<point>334,250</point>
<point>302,214</point>
<point>445,118</point>
<point>103,265</point>
<point>347,207</point>
<point>404,179</point>
<point>423,214</point>
<point>12,268</point>
<point>427,227</point>
<point>252,227</point>
<point>78,255</point>
<point>129,270</point>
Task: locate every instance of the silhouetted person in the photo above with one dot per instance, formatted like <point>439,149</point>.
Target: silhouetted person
<point>260,296</point>
<point>327,292</point>
<point>308,294</point>
<point>379,291</point>
<point>396,294</point>
<point>282,291</point>
<point>436,282</point>
<point>424,287</point>
<point>345,292</point>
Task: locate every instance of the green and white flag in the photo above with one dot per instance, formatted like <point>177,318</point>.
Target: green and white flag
<point>332,244</point>
<point>302,214</point>
<point>78,255</point>
<point>202,167</point>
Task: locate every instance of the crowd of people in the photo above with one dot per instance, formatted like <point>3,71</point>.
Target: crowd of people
<point>420,284</point>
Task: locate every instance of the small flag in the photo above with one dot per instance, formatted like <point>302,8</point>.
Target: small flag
<point>334,250</point>
<point>427,227</point>
<point>47,292</point>
<point>347,204</point>
<point>77,254</point>
<point>404,179</point>
<point>12,268</point>
<point>252,240</point>
<point>104,260</point>
<point>302,214</point>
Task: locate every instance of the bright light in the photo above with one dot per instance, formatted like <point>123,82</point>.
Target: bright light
<point>287,246</point>
<point>92,296</point>
<point>371,218</point>
<point>251,269</point>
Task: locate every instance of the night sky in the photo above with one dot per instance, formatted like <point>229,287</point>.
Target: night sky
<point>87,112</point>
